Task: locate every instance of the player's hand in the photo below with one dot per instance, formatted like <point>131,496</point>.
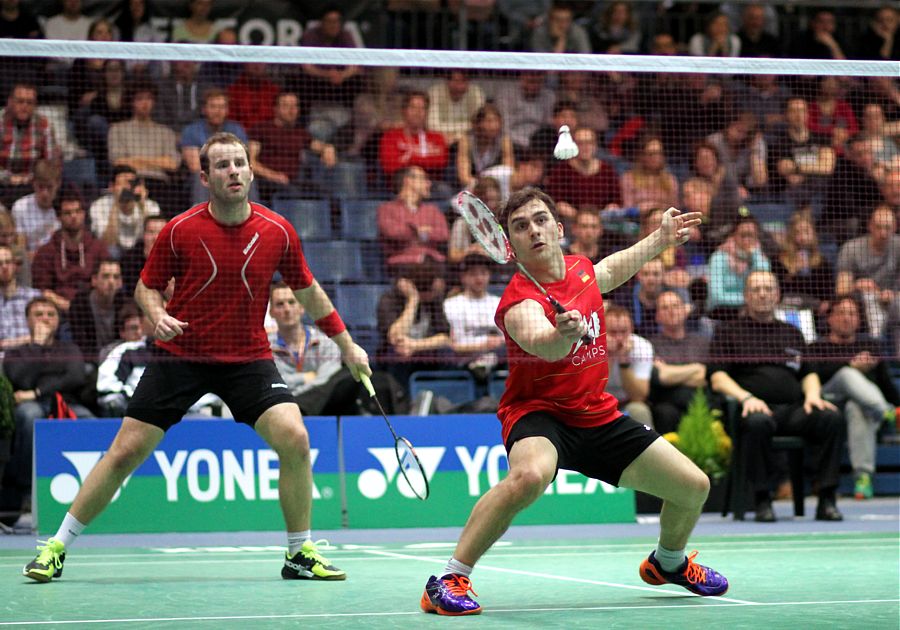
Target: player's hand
<point>570,325</point>
<point>357,361</point>
<point>676,226</point>
<point>167,328</point>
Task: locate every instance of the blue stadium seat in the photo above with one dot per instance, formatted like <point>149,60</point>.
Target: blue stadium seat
<point>334,261</point>
<point>349,179</point>
<point>358,304</point>
<point>359,219</point>
<point>458,386</point>
<point>310,217</point>
<point>369,340</point>
<point>497,383</point>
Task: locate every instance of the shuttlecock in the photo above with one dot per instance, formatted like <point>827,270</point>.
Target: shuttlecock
<point>566,148</point>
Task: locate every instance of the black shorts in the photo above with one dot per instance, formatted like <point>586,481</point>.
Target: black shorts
<point>598,452</point>
<point>170,385</point>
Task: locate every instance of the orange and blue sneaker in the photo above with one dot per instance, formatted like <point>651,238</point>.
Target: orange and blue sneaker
<point>696,578</point>
<point>448,596</point>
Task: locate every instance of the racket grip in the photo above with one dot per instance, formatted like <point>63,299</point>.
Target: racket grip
<point>559,309</point>
<point>367,383</point>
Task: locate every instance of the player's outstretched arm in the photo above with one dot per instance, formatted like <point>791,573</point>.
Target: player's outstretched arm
<point>165,327</point>
<point>618,268</point>
<point>532,331</point>
<point>319,306</point>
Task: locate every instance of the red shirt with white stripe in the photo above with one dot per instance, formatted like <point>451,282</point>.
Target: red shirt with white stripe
<point>222,277</point>
<point>572,389</point>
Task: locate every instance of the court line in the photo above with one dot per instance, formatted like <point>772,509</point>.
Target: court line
<point>406,613</point>
<point>562,578</point>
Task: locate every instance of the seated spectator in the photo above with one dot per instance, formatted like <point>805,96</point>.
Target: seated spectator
<point>18,22</point>
<point>93,312</point>
<point>147,147</point>
<point>595,98</point>
<point>696,196</point>
<point>851,193</point>
<point>484,146</point>
<point>818,41</point>
<point>630,365</point>
<point>639,297</point>
<point>27,137</point>
<point>179,95</point>
<point>34,214</point>
<point>376,109</point>
<point>716,40</point>
<point>218,74</point>
<point>544,139</point>
<point>522,16</point>
<point>130,322</point>
<point>70,23</point>
<point>133,23</point>
<point>765,97</point>
<point>277,149</point>
<point>13,300</point>
<point>197,28</point>
<point>109,105</point>
<point>802,159</point>
<point>455,103</point>
<point>11,238</point>
<point>47,376</point>
<point>741,150</point>
<point>251,97</point>
<point>460,243</point>
<point>885,152</point>
<point>415,334</point>
<point>338,84</point>
<point>590,239</point>
<point>854,374</point>
<point>475,340</point>
<point>880,41</point>
<point>526,105</point>
<point>831,115</point>
<point>583,180</point>
<point>63,266</point>
<point>806,278</point>
<point>617,31</point>
<point>763,364</point>
<point>133,259</point>
<point>755,40</point>
<point>724,187</point>
<point>215,119</point>
<point>412,144</point>
<point>679,364</point>
<point>674,259</point>
<point>649,184</point>
<point>87,76</point>
<point>412,231</point>
<point>731,265</point>
<point>890,189</point>
<point>559,33</point>
<point>869,266</point>
<point>528,171</point>
<point>117,218</point>
<point>310,363</point>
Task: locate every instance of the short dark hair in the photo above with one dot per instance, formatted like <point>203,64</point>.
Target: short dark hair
<point>118,169</point>
<point>105,261</point>
<point>154,217</point>
<point>409,96</point>
<point>223,137</point>
<point>616,310</point>
<point>521,197</point>
<point>69,193</point>
<point>39,300</point>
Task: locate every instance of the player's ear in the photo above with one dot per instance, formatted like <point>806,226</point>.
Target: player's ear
<point>204,178</point>
<point>560,229</point>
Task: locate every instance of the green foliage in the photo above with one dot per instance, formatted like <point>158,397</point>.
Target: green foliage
<point>702,437</point>
<point>7,408</point>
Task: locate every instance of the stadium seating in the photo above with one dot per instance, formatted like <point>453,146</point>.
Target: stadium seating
<point>335,261</point>
<point>310,217</point>
<point>458,386</point>
<point>358,304</point>
<point>359,219</point>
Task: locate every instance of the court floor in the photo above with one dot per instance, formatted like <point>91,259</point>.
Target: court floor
<point>795,574</point>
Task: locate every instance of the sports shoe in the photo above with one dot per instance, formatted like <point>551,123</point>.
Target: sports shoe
<point>49,562</point>
<point>696,578</point>
<point>862,489</point>
<point>309,564</point>
<point>447,596</point>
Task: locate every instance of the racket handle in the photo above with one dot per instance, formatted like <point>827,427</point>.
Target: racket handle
<point>367,383</point>
<point>587,339</point>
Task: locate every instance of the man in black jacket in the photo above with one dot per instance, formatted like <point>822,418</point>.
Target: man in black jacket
<point>93,312</point>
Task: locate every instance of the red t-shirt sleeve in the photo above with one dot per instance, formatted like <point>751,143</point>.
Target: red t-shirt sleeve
<point>160,265</point>
<point>293,267</point>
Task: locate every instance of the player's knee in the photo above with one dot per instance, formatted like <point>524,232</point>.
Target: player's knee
<point>697,488</point>
<point>125,458</point>
<point>293,443</point>
<point>529,482</point>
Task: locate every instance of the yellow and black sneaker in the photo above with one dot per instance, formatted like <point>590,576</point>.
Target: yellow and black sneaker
<point>49,562</point>
<point>309,564</point>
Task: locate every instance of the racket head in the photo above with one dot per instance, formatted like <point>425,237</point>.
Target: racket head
<point>484,227</point>
<point>414,482</point>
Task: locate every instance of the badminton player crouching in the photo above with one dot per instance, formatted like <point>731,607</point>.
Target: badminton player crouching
<point>210,338</point>
<point>556,414</point>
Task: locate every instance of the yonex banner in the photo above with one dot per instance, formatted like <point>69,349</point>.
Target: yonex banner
<point>206,475</point>
<point>462,457</point>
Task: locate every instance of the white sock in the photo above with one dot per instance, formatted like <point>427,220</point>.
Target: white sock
<point>670,560</point>
<point>296,540</point>
<point>455,566</point>
<point>69,530</point>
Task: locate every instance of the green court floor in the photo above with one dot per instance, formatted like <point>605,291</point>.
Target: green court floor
<point>799,581</point>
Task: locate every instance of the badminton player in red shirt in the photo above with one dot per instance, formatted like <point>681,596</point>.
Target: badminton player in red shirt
<point>556,413</point>
<point>210,336</point>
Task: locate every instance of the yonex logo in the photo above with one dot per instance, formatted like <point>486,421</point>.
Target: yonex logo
<point>64,486</point>
<point>373,484</point>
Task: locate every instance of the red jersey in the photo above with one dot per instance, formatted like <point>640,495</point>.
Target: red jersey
<point>573,388</point>
<point>222,277</point>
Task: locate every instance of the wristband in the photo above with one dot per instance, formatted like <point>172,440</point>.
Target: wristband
<point>331,324</point>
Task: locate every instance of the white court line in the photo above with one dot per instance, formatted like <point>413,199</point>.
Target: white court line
<point>562,578</point>
<point>406,613</point>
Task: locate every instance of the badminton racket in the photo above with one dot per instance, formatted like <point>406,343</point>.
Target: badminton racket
<point>410,466</point>
<point>485,229</point>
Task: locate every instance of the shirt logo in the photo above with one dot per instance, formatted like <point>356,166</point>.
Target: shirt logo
<point>250,244</point>
<point>277,385</point>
